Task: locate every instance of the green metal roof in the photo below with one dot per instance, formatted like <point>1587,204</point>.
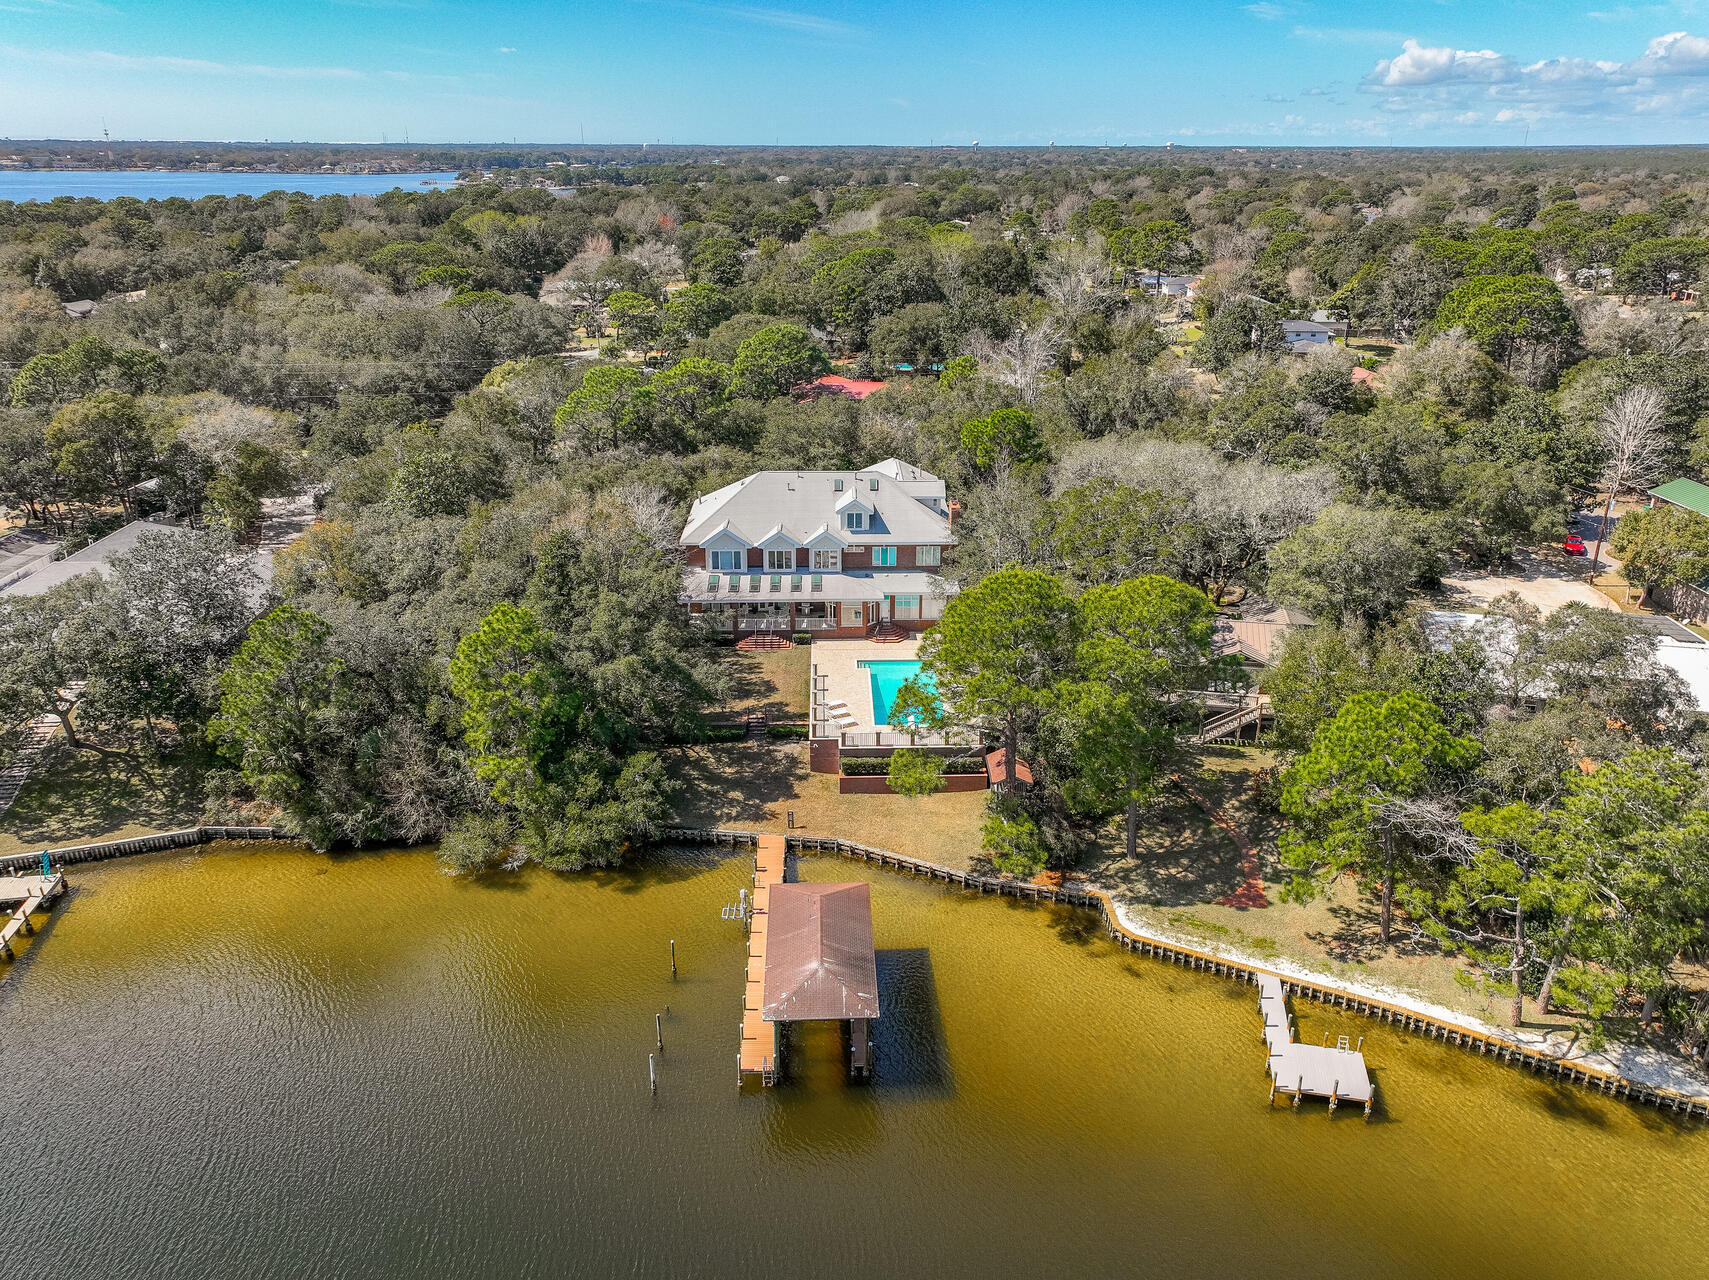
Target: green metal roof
<point>1684,493</point>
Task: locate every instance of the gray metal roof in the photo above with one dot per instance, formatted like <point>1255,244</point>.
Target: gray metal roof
<point>93,558</point>
<point>802,501</point>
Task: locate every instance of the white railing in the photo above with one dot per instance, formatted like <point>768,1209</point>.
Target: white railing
<point>890,738</point>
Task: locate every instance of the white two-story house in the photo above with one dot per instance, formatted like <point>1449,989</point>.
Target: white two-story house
<point>844,553</point>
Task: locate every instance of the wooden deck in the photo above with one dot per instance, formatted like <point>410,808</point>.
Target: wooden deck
<point>31,893</point>
<point>1308,1070</point>
<point>1482,1040</point>
<point>758,1055</point>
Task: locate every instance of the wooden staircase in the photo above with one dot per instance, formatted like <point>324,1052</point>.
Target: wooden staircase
<point>1227,726</point>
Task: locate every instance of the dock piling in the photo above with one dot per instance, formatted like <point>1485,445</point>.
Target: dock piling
<point>659,1029</point>
<point>652,1076</point>
<point>673,957</point>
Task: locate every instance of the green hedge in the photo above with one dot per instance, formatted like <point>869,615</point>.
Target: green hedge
<point>726,732</point>
<point>786,731</point>
<point>879,766</point>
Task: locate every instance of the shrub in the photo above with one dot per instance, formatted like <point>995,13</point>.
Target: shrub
<point>802,637</point>
<point>879,766</point>
<point>1013,840</point>
<point>786,731</point>
<point>916,773</point>
<point>726,732</point>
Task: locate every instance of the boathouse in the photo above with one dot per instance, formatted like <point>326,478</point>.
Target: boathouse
<point>819,960</point>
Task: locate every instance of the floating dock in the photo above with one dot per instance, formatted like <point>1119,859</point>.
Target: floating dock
<point>758,1056</point>
<point>25,895</point>
<point>1307,1070</point>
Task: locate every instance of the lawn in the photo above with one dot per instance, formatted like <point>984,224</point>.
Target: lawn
<point>1185,863</point>
<point>772,681</point>
<point>1183,857</point>
<point>751,786</point>
<point>77,797</point>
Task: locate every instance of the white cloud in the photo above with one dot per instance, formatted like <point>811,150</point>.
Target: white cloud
<point>1440,84</point>
<point>785,19</point>
<point>1418,65</point>
<point>1675,54</point>
<point>1265,10</point>
<point>504,48</point>
<point>103,60</point>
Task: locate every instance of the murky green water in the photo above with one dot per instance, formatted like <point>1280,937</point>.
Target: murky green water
<point>260,1062</point>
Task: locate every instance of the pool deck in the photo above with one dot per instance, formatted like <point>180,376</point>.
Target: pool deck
<point>847,681</point>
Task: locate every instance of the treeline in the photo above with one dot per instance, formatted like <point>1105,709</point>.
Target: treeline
<point>481,642</point>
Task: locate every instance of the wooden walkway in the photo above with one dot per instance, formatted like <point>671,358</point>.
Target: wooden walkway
<point>1482,1041</point>
<point>31,893</point>
<point>758,1056</point>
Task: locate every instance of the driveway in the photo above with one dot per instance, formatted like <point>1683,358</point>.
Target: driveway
<point>1547,582</point>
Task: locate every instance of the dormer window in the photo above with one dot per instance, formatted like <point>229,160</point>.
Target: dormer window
<point>854,520</point>
<point>872,484</point>
<point>780,558</point>
<point>837,485</point>
<point>724,560</point>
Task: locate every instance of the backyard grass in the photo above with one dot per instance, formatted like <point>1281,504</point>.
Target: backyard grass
<point>76,797</point>
<point>772,681</point>
<point>1185,863</point>
<point>751,786</point>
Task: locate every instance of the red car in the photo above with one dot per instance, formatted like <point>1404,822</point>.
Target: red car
<point>1574,545</point>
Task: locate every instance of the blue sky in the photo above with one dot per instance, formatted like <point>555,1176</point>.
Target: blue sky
<point>1472,72</point>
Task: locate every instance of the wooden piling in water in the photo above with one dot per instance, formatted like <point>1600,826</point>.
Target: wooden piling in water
<point>1186,957</point>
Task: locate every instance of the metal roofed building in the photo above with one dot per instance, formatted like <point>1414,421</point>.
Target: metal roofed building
<point>1682,493</point>
<point>94,558</point>
<point>845,553</point>
<point>820,965</point>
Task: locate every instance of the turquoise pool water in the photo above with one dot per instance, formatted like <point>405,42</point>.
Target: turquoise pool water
<point>887,678</point>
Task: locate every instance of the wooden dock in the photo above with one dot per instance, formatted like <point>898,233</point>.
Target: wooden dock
<point>29,894</point>
<point>758,1056</point>
<point>1308,1070</point>
<point>1482,1041</point>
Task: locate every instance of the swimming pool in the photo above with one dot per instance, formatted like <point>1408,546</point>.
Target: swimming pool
<point>889,676</point>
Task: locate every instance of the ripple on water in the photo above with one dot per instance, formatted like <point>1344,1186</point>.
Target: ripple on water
<point>265,1062</point>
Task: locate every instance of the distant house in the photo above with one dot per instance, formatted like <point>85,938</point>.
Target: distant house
<point>80,310</point>
<point>842,553</point>
<point>1677,648</point>
<point>1682,493</point>
<point>94,558</point>
<point>1301,336</point>
<point>1337,324</point>
<point>1256,641</point>
<point>835,385</point>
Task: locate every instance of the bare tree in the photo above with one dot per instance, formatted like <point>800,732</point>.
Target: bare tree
<point>1021,359</point>
<point>1632,439</point>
